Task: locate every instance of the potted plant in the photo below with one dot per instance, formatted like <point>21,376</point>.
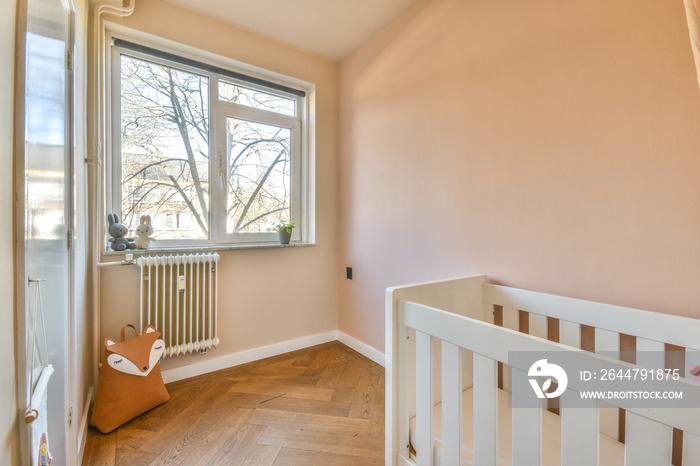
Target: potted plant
<point>285,232</point>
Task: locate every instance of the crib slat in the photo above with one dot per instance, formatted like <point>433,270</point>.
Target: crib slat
<point>569,333</point>
<point>608,343</point>
<point>580,441</point>
<point>451,404</point>
<point>691,448</point>
<point>511,320</point>
<point>424,399</point>
<point>401,388</point>
<point>639,451</point>
<point>538,325</point>
<point>527,423</point>
<point>650,353</point>
<point>692,360</point>
<point>610,420</point>
<point>488,313</point>
<point>485,411</point>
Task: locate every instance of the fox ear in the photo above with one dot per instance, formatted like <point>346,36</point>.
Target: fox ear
<point>108,342</point>
<point>150,329</point>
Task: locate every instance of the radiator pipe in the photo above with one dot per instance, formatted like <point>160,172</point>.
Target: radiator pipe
<point>96,134</point>
<point>128,260</point>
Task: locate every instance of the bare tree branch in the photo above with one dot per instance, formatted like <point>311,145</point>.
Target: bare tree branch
<point>165,146</point>
<point>257,189</point>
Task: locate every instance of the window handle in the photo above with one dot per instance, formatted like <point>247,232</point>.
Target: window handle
<point>222,170</point>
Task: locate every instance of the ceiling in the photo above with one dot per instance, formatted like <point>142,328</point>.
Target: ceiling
<point>332,29</point>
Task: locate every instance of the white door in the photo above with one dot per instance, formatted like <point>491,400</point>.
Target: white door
<point>47,208</point>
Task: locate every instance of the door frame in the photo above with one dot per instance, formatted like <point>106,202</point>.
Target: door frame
<point>21,295</point>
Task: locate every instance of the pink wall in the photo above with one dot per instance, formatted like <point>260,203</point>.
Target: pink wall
<point>551,145</point>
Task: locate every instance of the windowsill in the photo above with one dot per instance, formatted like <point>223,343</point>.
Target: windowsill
<point>207,248</point>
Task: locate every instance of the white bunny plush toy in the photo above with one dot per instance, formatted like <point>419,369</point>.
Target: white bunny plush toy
<point>144,232</point>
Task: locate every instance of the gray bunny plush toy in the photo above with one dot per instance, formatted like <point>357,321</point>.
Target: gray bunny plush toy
<point>117,231</point>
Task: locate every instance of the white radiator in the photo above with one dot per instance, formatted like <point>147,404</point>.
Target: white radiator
<point>179,298</point>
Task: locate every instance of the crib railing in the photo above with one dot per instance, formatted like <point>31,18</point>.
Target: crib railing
<point>461,297</point>
<point>468,325</point>
<point>651,333</point>
<point>492,344</point>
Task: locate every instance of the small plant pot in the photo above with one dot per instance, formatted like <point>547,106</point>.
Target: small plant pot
<point>284,236</point>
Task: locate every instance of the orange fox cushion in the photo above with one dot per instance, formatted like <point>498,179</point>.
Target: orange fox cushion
<point>130,381</point>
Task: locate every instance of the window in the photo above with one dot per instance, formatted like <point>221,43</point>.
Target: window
<point>212,155</point>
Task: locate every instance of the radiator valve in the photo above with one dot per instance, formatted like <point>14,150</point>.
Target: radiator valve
<point>128,260</point>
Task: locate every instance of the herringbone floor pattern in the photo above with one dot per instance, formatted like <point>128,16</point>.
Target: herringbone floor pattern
<point>323,405</point>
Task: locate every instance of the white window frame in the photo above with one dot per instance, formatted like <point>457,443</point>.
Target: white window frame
<point>231,110</point>
<point>301,125</point>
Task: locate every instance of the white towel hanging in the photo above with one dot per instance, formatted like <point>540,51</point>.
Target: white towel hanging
<point>37,403</point>
<point>37,394</point>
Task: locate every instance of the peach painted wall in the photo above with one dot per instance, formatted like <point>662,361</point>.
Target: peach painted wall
<point>551,145</point>
<point>267,296</point>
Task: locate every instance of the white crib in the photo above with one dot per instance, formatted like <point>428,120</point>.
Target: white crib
<point>443,348</point>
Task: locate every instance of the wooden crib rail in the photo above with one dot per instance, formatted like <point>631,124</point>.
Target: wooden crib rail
<point>491,344</point>
<point>666,328</point>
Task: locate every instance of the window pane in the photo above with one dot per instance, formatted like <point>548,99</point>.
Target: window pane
<point>256,99</point>
<point>259,177</point>
<point>164,149</point>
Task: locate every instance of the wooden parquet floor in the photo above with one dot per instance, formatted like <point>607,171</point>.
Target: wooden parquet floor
<point>322,405</point>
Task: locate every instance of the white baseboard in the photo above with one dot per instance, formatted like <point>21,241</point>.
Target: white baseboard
<point>242,357</point>
<point>83,427</point>
<point>362,348</point>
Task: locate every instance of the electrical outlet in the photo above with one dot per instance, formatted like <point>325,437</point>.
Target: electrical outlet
<point>348,273</point>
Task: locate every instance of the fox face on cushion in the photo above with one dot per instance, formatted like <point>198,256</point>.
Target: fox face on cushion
<point>130,379</point>
<point>136,360</point>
